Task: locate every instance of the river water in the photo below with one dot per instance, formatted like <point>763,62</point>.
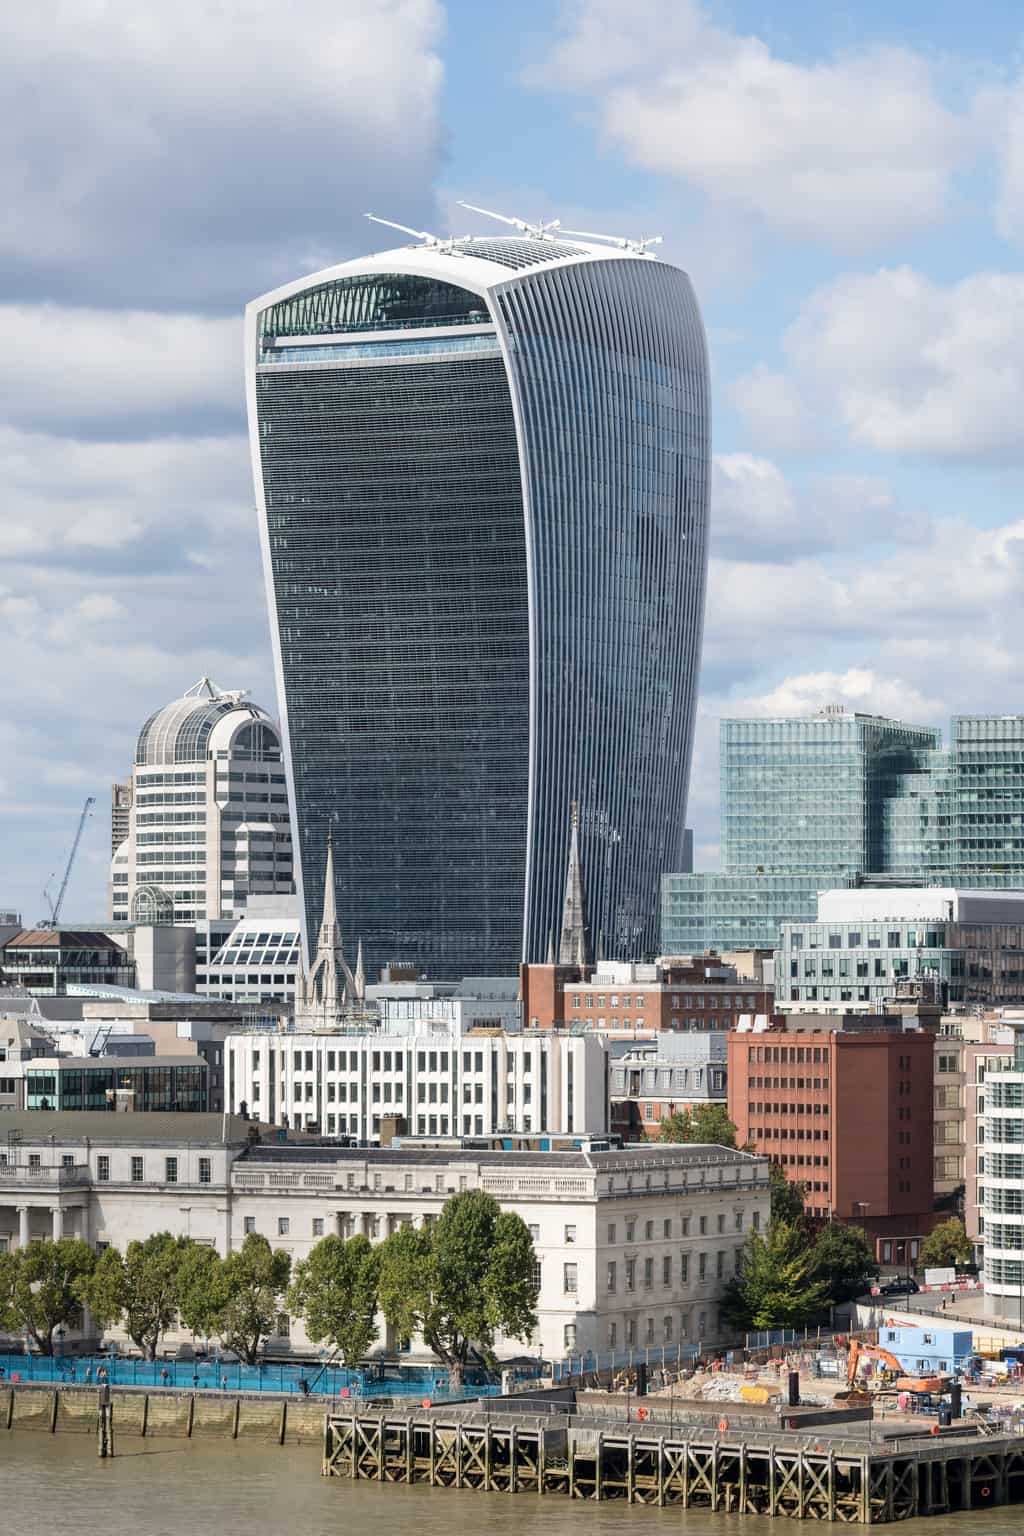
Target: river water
<point>50,1485</point>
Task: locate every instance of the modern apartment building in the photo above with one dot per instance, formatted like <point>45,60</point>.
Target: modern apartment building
<point>481,472</point>
<point>1002,1195</point>
<point>842,799</point>
<point>446,1075</point>
<point>844,1106</point>
<point>634,1247</point>
<point>965,947</point>
<point>208,819</point>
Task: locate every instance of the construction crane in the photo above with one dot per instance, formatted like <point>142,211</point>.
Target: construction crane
<point>55,906</point>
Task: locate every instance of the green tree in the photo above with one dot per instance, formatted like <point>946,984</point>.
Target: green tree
<point>237,1298</point>
<point>776,1287</point>
<point>40,1288</point>
<point>844,1262</point>
<point>461,1281</point>
<point>787,1197</point>
<point>141,1287</point>
<point>946,1245</point>
<point>334,1291</point>
<point>707,1124</point>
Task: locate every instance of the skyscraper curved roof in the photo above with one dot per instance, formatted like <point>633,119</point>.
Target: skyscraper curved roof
<point>180,731</point>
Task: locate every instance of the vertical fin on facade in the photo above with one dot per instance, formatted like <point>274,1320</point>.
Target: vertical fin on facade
<point>573,944</point>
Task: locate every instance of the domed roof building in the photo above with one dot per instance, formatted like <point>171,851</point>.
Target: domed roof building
<point>202,824</point>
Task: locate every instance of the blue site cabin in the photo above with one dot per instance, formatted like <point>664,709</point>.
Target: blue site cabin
<point>928,1351</point>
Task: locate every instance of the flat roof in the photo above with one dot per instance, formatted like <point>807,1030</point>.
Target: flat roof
<point>78,1063</point>
<point>47,1125</point>
<point>639,1159</point>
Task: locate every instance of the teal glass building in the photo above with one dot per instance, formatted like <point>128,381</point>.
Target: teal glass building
<point>843,799</point>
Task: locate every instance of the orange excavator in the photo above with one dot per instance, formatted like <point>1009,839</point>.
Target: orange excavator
<point>894,1370</point>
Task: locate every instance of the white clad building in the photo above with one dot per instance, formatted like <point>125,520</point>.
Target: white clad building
<point>208,823</point>
<point>444,1077</point>
<point>634,1247</point>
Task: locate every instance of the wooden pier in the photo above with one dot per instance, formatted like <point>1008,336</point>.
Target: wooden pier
<point>763,1473</point>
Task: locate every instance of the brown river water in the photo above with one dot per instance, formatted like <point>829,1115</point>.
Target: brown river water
<point>57,1484</point>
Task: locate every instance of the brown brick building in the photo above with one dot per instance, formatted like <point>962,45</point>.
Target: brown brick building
<point>845,1106</point>
<point>685,994</point>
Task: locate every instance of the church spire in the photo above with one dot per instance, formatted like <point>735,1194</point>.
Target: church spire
<point>330,985</point>
<point>330,937</point>
<point>360,975</point>
<point>573,946</point>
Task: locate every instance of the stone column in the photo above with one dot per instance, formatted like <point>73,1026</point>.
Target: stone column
<point>360,1224</point>
<point>58,1223</point>
<point>23,1237</point>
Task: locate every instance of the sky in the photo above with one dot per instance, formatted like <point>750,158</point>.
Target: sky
<point>843,182</point>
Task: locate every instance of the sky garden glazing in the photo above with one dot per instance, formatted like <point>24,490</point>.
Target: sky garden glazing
<point>482,475</point>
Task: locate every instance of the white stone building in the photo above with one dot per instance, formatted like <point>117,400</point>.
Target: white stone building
<point>208,823</point>
<point>634,1247</point>
<point>446,1075</point>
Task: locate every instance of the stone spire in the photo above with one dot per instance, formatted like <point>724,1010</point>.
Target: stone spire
<point>360,976</point>
<point>573,946</point>
<point>321,997</point>
<point>551,948</point>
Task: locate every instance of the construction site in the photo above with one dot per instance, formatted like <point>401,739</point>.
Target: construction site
<point>843,1432</point>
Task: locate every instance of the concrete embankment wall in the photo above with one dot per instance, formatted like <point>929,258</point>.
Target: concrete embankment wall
<point>273,1420</point>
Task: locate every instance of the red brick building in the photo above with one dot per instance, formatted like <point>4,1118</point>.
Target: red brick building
<point>845,1106</point>
<point>687,994</point>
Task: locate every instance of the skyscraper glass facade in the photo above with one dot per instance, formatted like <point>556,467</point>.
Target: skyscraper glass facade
<point>483,483</point>
<point>848,799</point>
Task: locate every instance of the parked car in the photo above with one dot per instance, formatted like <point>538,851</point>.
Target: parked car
<point>902,1285</point>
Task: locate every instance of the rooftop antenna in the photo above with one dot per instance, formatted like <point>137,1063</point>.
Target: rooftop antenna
<point>435,242</point>
<point>622,241</point>
<point>538,231</point>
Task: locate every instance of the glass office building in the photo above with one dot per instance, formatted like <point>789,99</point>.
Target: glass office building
<point>844,799</point>
<point>482,479</point>
<point>805,806</point>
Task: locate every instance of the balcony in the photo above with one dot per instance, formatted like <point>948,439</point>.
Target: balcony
<point>21,1176</point>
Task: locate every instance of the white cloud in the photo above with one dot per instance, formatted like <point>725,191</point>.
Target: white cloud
<point>847,151</point>
<point>96,368</point>
<point>759,514</point>
<point>134,500</point>
<point>912,366</point>
<point>773,411</point>
<point>196,152</point>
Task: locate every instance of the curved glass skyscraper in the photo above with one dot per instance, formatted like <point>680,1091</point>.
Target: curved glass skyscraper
<point>482,476</point>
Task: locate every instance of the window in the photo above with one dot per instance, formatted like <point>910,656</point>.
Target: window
<point>612,1267</point>
<point>249,1224</point>
<point>684,1267</point>
<point>103,1169</point>
<point>534,1232</point>
<point>569,1279</point>
<point>630,1231</point>
<point>702,1266</point>
<point>666,1227</point>
<point>204,1170</point>
<point>171,1170</point>
<point>631,1274</point>
<point>721,1222</point>
<point>648,1274</point>
<point>569,1338</point>
<point>318,1226</point>
<point>138,1172</point>
<point>570,1234</point>
<point>611,1231</point>
<point>666,1270</point>
<point>703,1225</point>
<point>283,1223</point>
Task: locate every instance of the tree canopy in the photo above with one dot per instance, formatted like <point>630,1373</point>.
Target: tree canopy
<point>776,1286</point>
<point>708,1124</point>
<point>844,1262</point>
<point>334,1291</point>
<point>141,1288</point>
<point>946,1245</point>
<point>462,1280</point>
<point>41,1286</point>
<point>787,1197</point>
<point>237,1298</point>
